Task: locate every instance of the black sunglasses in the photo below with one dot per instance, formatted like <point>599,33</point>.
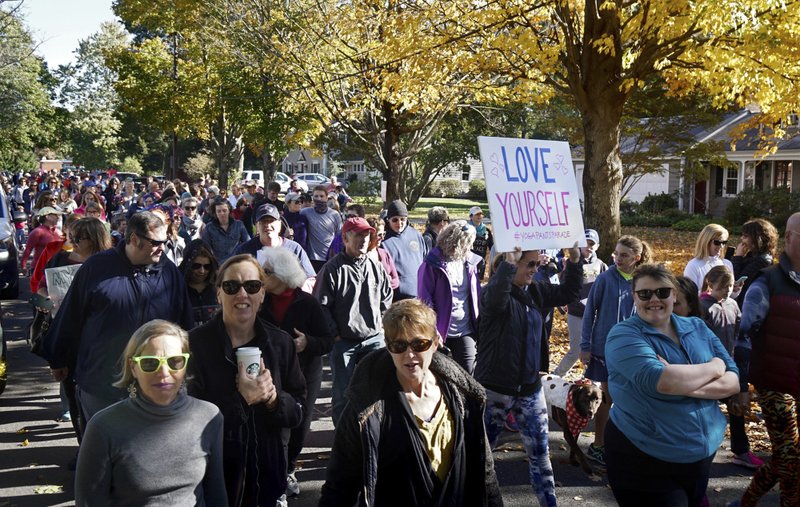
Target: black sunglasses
<point>197,265</point>
<point>719,242</point>
<point>155,242</point>
<point>661,293</point>
<point>190,208</point>
<point>232,287</point>
<point>417,345</point>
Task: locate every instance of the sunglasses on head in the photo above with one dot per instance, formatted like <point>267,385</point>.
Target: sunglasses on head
<point>155,242</point>
<point>417,345</point>
<point>719,242</point>
<point>232,287</point>
<point>661,293</point>
<point>197,265</point>
<point>150,364</point>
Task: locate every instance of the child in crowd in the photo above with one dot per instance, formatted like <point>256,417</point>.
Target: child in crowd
<point>722,314</point>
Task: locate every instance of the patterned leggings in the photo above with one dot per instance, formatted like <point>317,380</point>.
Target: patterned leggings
<point>532,418</point>
<point>781,418</point>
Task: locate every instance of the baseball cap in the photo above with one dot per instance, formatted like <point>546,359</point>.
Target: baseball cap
<point>592,235</point>
<point>48,210</point>
<point>214,189</point>
<point>356,224</point>
<point>291,196</point>
<point>267,210</point>
<point>475,210</point>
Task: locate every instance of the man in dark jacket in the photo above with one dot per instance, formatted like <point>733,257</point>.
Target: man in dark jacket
<point>113,294</point>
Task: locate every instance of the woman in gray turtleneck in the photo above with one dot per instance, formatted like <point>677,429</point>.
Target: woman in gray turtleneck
<point>159,446</point>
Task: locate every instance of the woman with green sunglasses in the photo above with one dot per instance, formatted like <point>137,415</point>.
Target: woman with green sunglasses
<point>128,446</point>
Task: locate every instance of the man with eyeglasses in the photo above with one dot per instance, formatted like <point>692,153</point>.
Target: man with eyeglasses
<point>354,292</point>
<point>114,293</point>
<point>407,248</point>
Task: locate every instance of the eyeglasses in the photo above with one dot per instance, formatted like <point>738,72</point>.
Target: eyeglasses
<point>232,287</point>
<point>197,265</point>
<point>719,242</point>
<point>397,220</point>
<point>151,364</point>
<point>190,208</point>
<point>417,345</point>
<point>155,242</point>
<point>661,293</point>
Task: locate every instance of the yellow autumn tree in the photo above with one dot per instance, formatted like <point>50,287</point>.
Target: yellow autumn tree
<point>597,53</point>
<point>357,67</point>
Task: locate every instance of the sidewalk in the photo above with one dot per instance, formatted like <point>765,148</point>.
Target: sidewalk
<point>36,474</point>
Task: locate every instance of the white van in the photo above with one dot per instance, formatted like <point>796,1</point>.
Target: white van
<point>257,176</point>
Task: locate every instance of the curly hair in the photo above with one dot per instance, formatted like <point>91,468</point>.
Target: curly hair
<point>763,236</point>
<point>285,266</point>
<point>455,240</point>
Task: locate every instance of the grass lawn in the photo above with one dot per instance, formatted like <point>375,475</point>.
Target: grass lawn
<point>458,208</point>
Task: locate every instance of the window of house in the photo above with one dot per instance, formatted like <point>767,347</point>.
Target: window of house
<point>783,173</point>
<point>726,181</point>
<point>465,170</point>
<point>749,174</point>
<point>315,167</point>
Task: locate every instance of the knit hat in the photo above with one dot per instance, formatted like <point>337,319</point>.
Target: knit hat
<point>396,208</point>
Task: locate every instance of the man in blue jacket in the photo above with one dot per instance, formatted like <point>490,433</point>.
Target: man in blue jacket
<point>406,246</point>
<point>113,294</point>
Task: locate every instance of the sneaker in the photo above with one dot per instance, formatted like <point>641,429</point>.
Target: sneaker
<point>65,417</point>
<point>597,454</point>
<point>292,487</point>
<point>747,459</point>
<point>511,423</point>
<point>282,501</point>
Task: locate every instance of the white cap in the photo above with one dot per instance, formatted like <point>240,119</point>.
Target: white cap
<point>475,210</point>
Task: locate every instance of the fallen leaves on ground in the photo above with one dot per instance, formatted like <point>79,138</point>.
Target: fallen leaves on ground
<point>674,249</point>
<point>24,443</point>
<point>48,489</point>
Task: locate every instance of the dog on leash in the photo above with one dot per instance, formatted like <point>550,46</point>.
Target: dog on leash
<point>572,405</point>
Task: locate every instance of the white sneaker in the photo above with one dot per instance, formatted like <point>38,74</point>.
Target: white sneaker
<point>292,487</point>
<point>282,501</point>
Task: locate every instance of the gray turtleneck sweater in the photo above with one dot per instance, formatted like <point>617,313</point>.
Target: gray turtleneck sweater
<point>138,453</point>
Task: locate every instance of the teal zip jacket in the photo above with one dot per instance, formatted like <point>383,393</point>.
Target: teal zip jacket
<point>677,429</point>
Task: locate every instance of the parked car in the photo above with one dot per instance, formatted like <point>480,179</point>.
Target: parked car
<point>313,179</point>
<point>285,181</point>
<point>9,251</point>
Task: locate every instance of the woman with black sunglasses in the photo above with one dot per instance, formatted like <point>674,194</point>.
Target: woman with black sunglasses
<point>665,373</point>
<point>158,446</point>
<point>255,408</point>
<point>200,266</point>
<point>412,432</point>
<point>709,252</point>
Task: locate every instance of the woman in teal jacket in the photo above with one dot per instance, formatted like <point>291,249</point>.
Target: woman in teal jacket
<point>666,374</point>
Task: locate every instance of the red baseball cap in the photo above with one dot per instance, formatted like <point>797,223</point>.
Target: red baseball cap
<point>356,224</point>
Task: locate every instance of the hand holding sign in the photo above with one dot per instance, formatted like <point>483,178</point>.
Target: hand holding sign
<point>533,195</point>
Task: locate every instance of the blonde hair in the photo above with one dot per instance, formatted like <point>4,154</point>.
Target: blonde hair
<point>709,232</point>
<point>140,338</point>
<point>407,318</point>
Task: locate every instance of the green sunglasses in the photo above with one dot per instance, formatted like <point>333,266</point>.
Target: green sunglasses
<point>151,364</point>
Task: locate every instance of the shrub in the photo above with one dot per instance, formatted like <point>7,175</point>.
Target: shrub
<point>477,189</point>
<point>775,205</point>
<point>444,188</point>
<point>656,203</point>
<point>693,224</point>
<point>367,186</point>
<point>627,207</point>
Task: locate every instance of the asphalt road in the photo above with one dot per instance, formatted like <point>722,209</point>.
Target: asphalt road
<point>35,449</point>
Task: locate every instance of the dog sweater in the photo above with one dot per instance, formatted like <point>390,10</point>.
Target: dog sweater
<point>556,394</point>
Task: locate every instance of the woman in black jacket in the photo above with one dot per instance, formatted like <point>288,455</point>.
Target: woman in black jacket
<point>755,251</point>
<point>510,356</point>
<point>254,408</point>
<point>412,431</point>
<point>300,315</point>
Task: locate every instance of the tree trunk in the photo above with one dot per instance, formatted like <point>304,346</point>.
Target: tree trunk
<point>392,171</point>
<point>602,177</point>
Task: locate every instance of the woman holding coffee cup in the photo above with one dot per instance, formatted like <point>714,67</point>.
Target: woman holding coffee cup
<point>257,404</point>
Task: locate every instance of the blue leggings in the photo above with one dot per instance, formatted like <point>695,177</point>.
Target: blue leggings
<point>531,415</point>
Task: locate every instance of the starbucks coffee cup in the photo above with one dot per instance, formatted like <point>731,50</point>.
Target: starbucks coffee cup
<point>251,358</point>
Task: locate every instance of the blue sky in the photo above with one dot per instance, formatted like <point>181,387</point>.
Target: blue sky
<point>59,24</point>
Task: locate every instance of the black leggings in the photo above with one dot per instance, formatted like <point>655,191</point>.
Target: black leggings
<point>638,479</point>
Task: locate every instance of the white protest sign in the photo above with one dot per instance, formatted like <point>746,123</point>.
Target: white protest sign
<point>58,281</point>
<point>532,193</point>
